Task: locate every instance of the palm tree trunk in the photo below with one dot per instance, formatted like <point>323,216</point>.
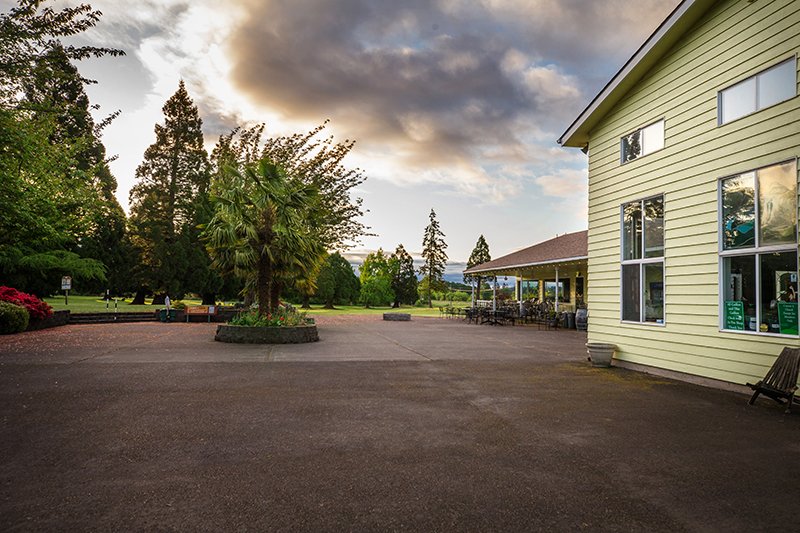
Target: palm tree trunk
<point>263,284</point>
<point>275,295</point>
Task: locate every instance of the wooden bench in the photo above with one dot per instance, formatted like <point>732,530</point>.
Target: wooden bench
<point>200,310</point>
<point>780,383</point>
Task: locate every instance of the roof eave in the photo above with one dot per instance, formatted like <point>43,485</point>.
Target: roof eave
<point>526,265</point>
<point>666,35</point>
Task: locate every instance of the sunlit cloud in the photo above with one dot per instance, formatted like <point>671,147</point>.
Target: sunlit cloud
<point>457,98</point>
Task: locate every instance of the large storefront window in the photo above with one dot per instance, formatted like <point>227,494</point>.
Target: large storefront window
<point>758,263</point>
<point>529,289</point>
<point>642,276</point>
<point>550,290</point>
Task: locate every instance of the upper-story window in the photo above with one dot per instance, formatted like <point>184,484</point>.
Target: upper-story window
<point>767,88</point>
<point>642,275</point>
<point>642,142</point>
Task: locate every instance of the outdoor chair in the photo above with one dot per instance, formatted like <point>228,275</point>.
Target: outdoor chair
<point>780,383</point>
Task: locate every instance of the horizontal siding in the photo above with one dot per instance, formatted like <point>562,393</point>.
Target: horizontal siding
<point>735,39</point>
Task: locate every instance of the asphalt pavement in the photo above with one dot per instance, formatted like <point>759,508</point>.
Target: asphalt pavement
<point>428,425</point>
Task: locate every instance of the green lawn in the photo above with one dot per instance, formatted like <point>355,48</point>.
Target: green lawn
<point>92,304</point>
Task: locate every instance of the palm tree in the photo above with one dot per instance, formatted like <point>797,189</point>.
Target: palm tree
<point>261,228</point>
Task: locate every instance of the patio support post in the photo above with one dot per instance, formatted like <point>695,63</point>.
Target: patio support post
<point>494,295</point>
<point>556,290</point>
<point>473,294</point>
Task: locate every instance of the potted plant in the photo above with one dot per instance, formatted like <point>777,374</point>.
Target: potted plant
<point>600,353</point>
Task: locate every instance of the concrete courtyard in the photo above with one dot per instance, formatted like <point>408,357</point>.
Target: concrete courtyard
<point>430,425</point>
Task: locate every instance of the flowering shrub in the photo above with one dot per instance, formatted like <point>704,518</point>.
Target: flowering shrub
<point>282,317</point>
<point>37,309</point>
<point>13,318</point>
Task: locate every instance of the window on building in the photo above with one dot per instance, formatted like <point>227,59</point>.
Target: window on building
<point>767,88</point>
<point>758,257</point>
<point>642,275</point>
<point>642,142</point>
<point>529,289</point>
<point>550,290</point>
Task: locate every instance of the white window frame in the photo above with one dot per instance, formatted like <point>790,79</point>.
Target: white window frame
<point>622,160</point>
<point>755,77</point>
<point>756,251</point>
<point>642,262</point>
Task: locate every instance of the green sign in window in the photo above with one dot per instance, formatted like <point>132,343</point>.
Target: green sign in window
<point>734,315</point>
<point>787,317</point>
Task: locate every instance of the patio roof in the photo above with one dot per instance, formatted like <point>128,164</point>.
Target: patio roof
<point>564,248</point>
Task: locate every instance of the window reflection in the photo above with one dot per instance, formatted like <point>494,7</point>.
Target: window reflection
<point>739,211</point>
<point>777,203</point>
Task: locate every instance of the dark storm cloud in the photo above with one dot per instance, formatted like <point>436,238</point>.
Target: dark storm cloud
<point>381,67</point>
<point>443,80</point>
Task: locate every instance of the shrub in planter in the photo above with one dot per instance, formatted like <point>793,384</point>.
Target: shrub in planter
<point>37,309</point>
<point>282,317</point>
<point>13,318</point>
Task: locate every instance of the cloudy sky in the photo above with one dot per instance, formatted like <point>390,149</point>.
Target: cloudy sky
<point>455,104</point>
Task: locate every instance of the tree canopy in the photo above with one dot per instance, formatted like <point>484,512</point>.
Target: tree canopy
<point>376,280</point>
<point>336,282</point>
<point>56,191</point>
<point>173,177</point>
<point>404,277</point>
<point>261,229</point>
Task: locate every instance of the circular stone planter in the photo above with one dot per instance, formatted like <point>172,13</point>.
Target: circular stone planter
<point>266,335</point>
<point>600,353</point>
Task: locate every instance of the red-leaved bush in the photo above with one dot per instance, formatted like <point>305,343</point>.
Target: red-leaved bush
<point>37,309</point>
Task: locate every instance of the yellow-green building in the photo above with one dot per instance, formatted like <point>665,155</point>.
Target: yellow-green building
<point>693,193</point>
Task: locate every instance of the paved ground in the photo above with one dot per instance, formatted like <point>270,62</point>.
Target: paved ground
<point>431,425</point>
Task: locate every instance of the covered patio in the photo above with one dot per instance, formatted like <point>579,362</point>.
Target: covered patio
<point>552,272</point>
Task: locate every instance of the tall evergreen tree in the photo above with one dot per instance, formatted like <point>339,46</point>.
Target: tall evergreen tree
<point>173,176</point>
<point>480,254</point>
<point>404,277</point>
<point>435,257</point>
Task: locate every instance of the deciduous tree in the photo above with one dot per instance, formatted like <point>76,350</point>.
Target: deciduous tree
<point>55,186</point>
<point>376,280</point>
<point>336,282</point>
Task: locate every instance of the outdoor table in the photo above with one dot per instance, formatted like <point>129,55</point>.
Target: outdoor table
<point>494,318</point>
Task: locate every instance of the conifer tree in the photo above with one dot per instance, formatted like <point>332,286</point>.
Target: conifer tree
<point>480,254</point>
<point>172,177</point>
<point>404,277</point>
<point>435,257</point>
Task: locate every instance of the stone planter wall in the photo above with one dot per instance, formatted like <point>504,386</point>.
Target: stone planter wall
<point>266,335</point>
<point>58,318</point>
